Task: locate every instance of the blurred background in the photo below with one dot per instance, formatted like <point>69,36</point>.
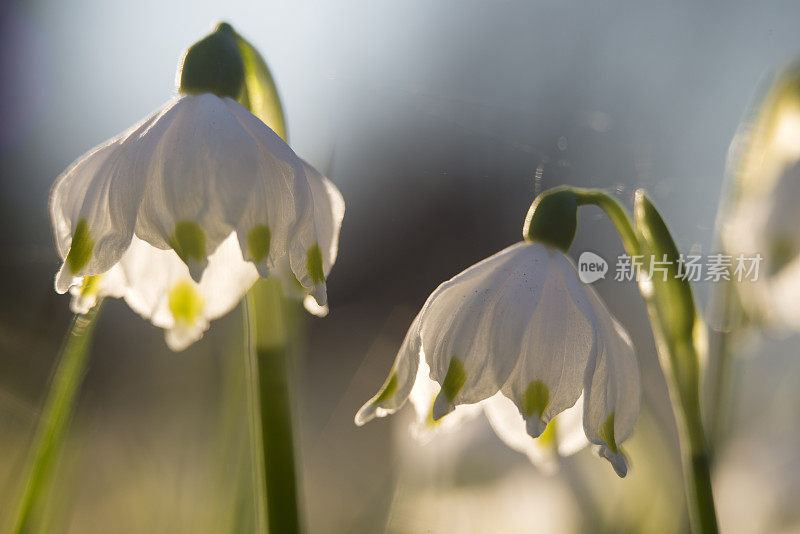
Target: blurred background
<point>438,121</point>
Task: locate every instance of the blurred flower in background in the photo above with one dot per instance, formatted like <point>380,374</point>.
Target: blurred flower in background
<point>763,216</point>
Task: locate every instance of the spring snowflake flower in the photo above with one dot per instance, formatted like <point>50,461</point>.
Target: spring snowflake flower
<point>180,216</point>
<point>519,328</point>
<point>762,221</point>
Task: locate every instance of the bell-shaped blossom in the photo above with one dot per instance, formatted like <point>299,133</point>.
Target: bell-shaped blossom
<point>182,213</point>
<point>521,329</point>
<point>760,227</point>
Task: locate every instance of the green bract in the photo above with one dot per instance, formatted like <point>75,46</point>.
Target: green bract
<point>672,292</point>
<point>552,218</point>
<point>214,65</point>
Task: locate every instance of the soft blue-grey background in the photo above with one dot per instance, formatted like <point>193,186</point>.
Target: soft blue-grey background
<point>438,121</point>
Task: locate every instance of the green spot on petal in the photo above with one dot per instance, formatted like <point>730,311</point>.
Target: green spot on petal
<point>429,421</point>
<point>607,434</point>
<point>91,285</point>
<point>549,438</point>
<point>783,251</point>
<point>536,399</point>
<point>188,241</point>
<point>314,264</point>
<point>388,390</point>
<point>80,250</point>
<point>454,379</point>
<point>185,303</point>
<point>258,240</point>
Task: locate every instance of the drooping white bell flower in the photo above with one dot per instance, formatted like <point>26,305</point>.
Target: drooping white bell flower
<point>181,214</point>
<point>521,325</point>
<point>761,222</point>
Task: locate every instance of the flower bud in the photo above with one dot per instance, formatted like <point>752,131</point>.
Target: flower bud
<point>213,65</point>
<point>552,218</point>
<point>675,298</point>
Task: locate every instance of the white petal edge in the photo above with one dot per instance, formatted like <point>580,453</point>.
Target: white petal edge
<point>398,385</point>
<point>612,388</point>
<point>511,428</point>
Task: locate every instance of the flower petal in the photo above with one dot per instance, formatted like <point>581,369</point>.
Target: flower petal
<point>328,215</point>
<point>473,325</point>
<point>111,283</point>
<point>301,243</point>
<point>564,435</point>
<point>289,213</point>
<point>423,396</point>
<point>160,289</point>
<point>611,388</point>
<point>272,210</point>
<point>398,385</point>
<point>554,348</point>
<point>202,168</point>
<point>93,207</point>
<point>305,254</point>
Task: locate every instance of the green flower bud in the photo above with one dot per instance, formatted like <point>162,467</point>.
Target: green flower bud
<point>214,65</point>
<point>259,92</point>
<point>553,218</point>
<point>673,292</point>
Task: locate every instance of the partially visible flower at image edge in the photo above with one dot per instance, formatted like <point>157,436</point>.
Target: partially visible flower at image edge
<point>181,215</point>
<point>762,217</point>
<point>521,337</point>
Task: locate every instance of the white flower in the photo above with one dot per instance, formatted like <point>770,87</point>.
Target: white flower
<point>763,218</point>
<point>519,325</point>
<point>181,214</point>
<point>764,229</point>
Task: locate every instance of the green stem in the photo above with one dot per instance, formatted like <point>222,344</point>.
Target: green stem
<point>614,210</point>
<point>679,342</point>
<point>254,416</point>
<point>269,378</point>
<point>268,369</point>
<point>720,364</point>
<point>58,409</point>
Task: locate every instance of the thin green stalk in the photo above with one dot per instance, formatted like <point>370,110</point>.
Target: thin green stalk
<point>695,452</point>
<point>615,212</point>
<point>58,409</point>
<point>680,340</point>
<point>269,380</point>
<point>268,367</point>
<point>720,362</point>
<point>254,418</point>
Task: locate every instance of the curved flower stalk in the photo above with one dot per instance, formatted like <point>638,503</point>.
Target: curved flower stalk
<point>762,216</point>
<point>521,328</point>
<point>181,214</point>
